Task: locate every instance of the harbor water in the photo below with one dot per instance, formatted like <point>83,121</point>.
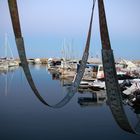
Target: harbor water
<point>84,117</point>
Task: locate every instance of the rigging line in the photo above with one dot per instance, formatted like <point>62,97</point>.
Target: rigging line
<point>111,81</point>
<point>21,50</point>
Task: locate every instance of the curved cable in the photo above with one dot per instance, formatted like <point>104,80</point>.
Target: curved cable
<point>21,51</point>
<point>111,81</point>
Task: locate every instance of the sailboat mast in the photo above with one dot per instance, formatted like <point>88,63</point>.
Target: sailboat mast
<point>5,46</point>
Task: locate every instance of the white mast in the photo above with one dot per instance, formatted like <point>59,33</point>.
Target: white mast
<point>6,46</point>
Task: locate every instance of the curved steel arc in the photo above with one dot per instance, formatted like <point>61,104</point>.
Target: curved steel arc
<point>112,86</point>
<point>21,50</point>
<point>74,88</point>
<point>20,46</point>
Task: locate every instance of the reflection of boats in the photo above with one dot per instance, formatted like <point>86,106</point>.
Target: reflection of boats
<point>97,99</point>
<point>55,76</point>
<point>9,69</point>
<point>8,75</point>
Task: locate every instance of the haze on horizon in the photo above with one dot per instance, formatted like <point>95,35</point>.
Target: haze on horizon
<point>46,24</point>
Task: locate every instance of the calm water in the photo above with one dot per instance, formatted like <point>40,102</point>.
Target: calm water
<point>24,117</point>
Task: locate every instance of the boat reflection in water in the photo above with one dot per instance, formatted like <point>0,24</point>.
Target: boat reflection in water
<point>6,78</point>
<point>114,98</point>
<point>97,99</point>
<point>87,103</point>
<point>116,103</point>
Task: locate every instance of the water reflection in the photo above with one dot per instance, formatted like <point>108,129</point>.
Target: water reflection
<point>7,77</point>
<point>115,102</point>
<point>85,98</point>
<point>96,99</point>
<point>114,98</point>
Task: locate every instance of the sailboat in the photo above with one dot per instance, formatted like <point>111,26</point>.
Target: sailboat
<point>3,65</point>
<point>7,62</point>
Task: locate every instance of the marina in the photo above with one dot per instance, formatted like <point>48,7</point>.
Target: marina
<point>54,89</point>
<point>93,78</point>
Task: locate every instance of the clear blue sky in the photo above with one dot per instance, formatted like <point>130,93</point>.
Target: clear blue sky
<point>46,24</point>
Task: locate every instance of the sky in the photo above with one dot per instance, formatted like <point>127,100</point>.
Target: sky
<point>51,26</point>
